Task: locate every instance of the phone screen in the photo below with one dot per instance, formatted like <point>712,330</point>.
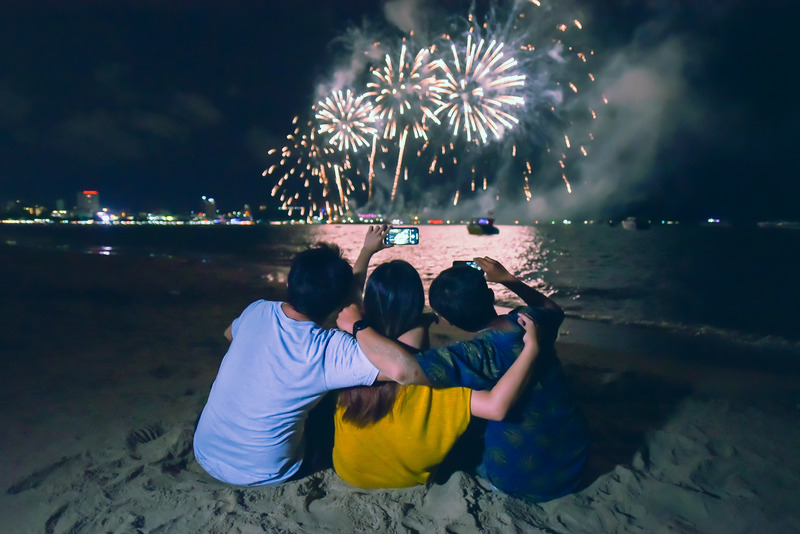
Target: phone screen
<point>408,235</point>
<point>467,263</point>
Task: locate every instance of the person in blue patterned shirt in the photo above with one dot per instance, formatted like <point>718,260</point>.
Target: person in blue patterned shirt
<point>539,451</point>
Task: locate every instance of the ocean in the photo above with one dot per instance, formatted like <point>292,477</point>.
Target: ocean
<point>734,284</point>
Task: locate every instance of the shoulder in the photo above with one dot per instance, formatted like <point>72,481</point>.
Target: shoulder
<point>449,397</point>
<point>545,317</point>
<point>261,306</point>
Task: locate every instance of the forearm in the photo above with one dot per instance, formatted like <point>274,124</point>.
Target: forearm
<point>360,274</point>
<point>392,360</point>
<point>495,404</point>
<point>529,295</point>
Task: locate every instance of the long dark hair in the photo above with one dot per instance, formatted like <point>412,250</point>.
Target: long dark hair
<point>393,303</point>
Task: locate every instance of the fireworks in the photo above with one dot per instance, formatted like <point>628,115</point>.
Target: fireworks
<point>481,111</point>
<point>479,88</point>
<point>405,95</point>
<point>347,119</point>
<point>312,183</point>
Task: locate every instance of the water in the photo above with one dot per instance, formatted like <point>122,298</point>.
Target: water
<point>738,284</point>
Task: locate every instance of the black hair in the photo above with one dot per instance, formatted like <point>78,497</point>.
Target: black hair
<point>393,302</point>
<point>320,280</point>
<point>461,295</point>
<point>394,298</point>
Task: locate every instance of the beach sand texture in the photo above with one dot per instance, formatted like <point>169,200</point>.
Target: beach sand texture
<point>106,364</point>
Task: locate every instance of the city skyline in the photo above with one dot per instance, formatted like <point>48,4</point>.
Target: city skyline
<point>155,106</point>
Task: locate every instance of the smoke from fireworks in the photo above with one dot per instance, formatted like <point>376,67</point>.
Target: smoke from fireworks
<point>489,106</point>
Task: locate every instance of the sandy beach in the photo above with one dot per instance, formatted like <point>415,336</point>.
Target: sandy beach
<point>107,361</point>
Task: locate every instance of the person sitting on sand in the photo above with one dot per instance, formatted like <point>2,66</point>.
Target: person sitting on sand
<point>539,450</point>
<point>280,363</point>
<point>393,436</point>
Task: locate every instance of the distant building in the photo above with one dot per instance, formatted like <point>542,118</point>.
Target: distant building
<point>210,208</point>
<point>88,204</point>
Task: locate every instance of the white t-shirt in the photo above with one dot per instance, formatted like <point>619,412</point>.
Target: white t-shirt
<point>251,431</point>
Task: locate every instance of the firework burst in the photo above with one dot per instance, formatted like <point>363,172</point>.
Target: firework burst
<point>312,181</point>
<point>481,85</point>
<point>347,119</point>
<point>406,94</point>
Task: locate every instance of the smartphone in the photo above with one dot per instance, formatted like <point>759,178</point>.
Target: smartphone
<point>467,263</point>
<point>404,235</point>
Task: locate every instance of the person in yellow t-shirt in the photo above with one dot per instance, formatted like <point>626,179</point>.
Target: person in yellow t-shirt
<point>393,436</point>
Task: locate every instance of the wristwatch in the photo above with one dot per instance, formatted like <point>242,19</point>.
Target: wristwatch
<point>361,324</point>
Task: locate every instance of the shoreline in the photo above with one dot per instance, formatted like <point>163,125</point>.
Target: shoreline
<point>107,364</point>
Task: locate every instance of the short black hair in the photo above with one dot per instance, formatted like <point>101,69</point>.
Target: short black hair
<point>461,295</point>
<point>320,280</point>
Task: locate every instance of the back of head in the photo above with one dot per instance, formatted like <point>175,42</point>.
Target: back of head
<point>394,298</point>
<point>393,303</point>
<point>461,295</point>
<point>319,281</point>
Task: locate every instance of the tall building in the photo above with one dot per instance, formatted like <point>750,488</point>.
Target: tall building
<point>88,204</point>
<point>209,208</point>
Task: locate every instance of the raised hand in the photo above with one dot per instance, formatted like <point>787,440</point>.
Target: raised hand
<point>494,270</point>
<point>373,241</point>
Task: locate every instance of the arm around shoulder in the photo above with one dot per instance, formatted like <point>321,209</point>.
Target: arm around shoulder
<point>495,404</point>
<point>393,361</point>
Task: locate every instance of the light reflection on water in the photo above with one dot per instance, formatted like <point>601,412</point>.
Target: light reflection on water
<point>683,277</point>
<point>519,248</point>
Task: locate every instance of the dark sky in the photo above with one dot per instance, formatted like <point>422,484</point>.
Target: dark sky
<point>155,104</point>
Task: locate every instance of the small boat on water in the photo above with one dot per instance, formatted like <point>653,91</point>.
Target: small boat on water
<point>791,225</point>
<point>482,226</point>
<point>635,223</point>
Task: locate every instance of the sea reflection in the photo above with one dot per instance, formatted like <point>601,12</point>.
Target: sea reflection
<point>519,248</point>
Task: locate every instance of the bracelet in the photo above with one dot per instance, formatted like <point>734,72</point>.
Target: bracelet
<point>361,324</point>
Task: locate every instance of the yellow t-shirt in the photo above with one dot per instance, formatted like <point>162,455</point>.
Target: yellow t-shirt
<point>404,447</point>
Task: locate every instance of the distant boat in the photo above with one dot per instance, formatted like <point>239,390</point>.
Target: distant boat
<point>482,226</point>
<point>634,223</point>
<point>790,225</point>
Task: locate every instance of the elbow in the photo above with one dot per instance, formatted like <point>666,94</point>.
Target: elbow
<point>406,377</point>
<point>496,413</point>
<point>407,374</point>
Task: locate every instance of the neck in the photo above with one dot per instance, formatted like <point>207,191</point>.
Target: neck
<point>291,313</point>
<point>497,322</point>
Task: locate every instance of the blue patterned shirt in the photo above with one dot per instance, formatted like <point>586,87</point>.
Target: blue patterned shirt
<point>538,452</point>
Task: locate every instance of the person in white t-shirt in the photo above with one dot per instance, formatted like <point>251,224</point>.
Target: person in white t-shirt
<point>280,363</point>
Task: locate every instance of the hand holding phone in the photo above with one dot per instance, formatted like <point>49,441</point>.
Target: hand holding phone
<point>467,263</point>
<point>402,235</point>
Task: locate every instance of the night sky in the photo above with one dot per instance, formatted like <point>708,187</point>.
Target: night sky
<point>155,104</point>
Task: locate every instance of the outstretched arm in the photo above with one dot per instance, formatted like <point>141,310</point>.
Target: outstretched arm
<point>495,404</point>
<point>373,242</point>
<point>229,332</point>
<point>495,272</point>
<point>393,361</point>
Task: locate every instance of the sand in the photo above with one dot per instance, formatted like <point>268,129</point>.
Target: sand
<point>107,361</point>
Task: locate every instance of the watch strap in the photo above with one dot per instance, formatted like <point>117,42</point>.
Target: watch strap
<point>361,324</point>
